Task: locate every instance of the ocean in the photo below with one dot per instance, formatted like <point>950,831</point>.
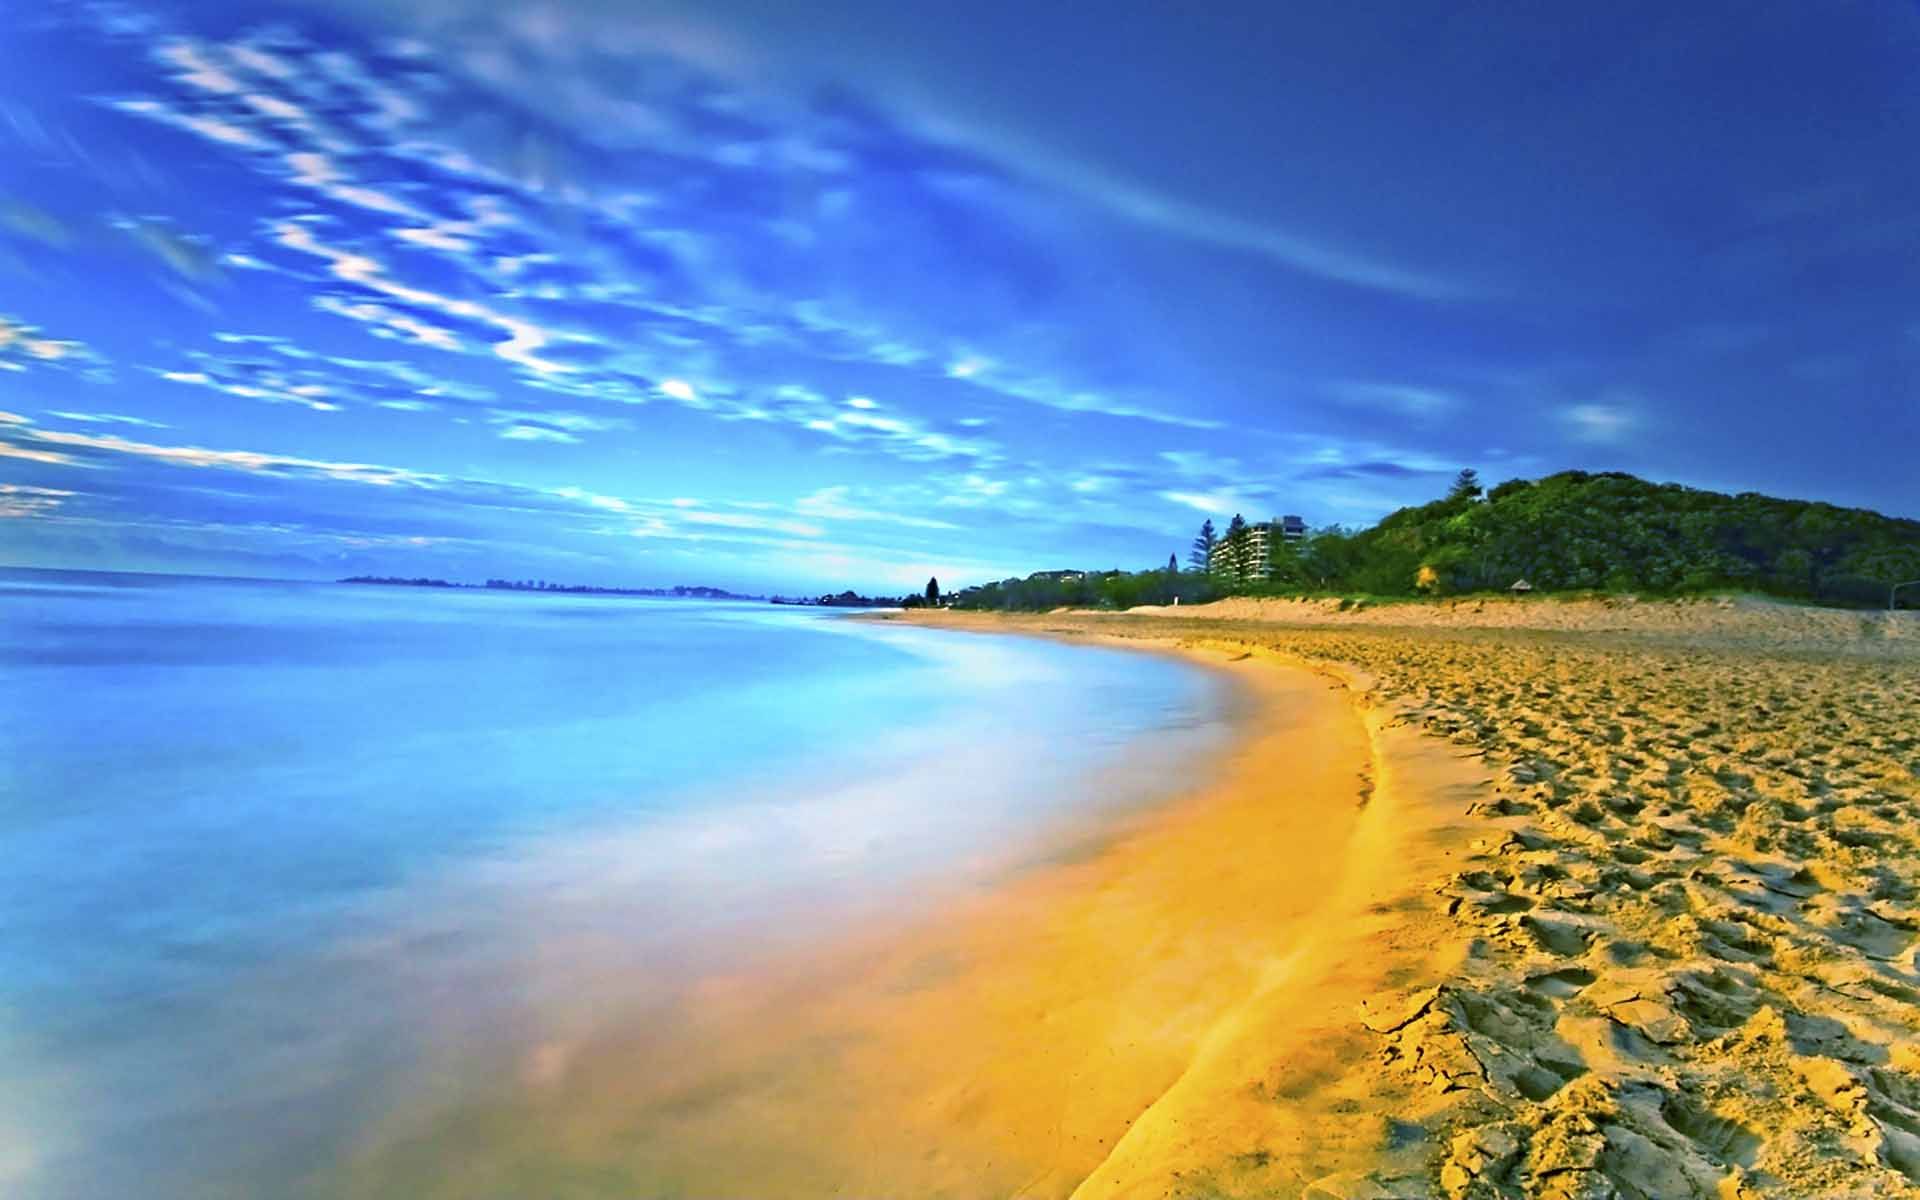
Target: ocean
<point>280,859</point>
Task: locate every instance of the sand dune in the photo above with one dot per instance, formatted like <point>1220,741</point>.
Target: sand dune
<point>1686,926</point>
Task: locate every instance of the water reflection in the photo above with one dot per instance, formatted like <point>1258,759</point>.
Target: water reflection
<point>281,859</point>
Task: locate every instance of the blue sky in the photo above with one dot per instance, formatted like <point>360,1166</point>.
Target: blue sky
<point>781,296</point>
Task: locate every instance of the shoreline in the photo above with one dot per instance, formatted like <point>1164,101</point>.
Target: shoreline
<point>1054,1032</point>
<point>1689,912</point>
<point>1283,1095</point>
<point>1626,913</point>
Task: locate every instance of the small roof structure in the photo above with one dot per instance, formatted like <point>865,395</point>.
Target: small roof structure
<point>1520,585</point>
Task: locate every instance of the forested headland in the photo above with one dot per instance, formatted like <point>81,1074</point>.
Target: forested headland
<point>1571,532</point>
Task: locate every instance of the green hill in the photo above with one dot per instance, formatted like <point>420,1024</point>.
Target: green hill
<point>1577,530</point>
<point>1574,531</point>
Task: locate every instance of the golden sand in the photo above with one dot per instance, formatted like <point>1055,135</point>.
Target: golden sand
<point>1688,922</point>
<point>1183,987</point>
<point>1511,899</point>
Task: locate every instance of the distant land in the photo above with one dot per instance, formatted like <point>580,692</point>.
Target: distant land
<point>848,600</point>
<point>1575,531</point>
<point>540,585</point>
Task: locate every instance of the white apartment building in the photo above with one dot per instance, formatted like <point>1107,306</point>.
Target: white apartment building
<point>1254,560</point>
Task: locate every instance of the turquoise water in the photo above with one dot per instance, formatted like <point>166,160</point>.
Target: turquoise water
<point>278,857</point>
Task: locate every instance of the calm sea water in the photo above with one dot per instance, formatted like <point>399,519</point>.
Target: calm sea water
<point>278,857</point>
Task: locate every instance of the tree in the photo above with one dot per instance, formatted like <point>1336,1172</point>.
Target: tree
<point>1793,572</point>
<point>1235,543</point>
<point>1466,485</point>
<point>1173,564</point>
<point>1511,487</point>
<point>1200,558</point>
<point>933,592</point>
<point>1330,556</point>
<point>1571,530</point>
<point>1284,563</point>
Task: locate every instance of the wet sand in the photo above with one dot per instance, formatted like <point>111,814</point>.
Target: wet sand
<point>1490,900</point>
<point>1684,936</point>
<point>1179,988</point>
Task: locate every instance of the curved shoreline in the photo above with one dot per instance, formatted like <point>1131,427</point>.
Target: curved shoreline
<point>1691,942</point>
<point>1047,1033</point>
<point>1284,1091</point>
<point>1286,1083</point>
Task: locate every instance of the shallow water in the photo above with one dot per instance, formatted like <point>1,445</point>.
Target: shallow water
<point>278,858</point>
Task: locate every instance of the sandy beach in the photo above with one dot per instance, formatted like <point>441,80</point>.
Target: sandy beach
<point>1104,1008</point>
<point>859,600</point>
<point>1678,954</point>
<point>1487,900</point>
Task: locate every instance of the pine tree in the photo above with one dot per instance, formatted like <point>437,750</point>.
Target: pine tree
<point>1200,558</point>
<point>1466,485</point>
<point>1173,564</point>
<point>933,592</point>
<point>1236,546</point>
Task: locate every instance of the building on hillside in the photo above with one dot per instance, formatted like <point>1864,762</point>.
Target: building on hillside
<point>1246,554</point>
<point>1250,556</point>
<point>1057,576</point>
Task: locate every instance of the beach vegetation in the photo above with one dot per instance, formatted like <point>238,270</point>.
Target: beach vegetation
<point>1200,556</point>
<point>1466,485</point>
<point>1573,532</point>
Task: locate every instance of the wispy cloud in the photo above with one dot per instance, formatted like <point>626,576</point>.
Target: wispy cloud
<point>186,255</point>
<point>1603,424</point>
<point>1051,394</point>
<point>23,346</point>
<point>1312,253</point>
<point>366,149</point>
<point>652,244</point>
<point>524,338</point>
<point>214,129</point>
<point>1406,399</point>
<point>526,431</point>
<point>837,504</point>
<point>549,425</point>
<point>1369,469</point>
<point>57,445</point>
<point>21,500</point>
<point>684,518</point>
<point>29,454</point>
<point>254,381</point>
<point>738,520</point>
<point>900,436</point>
<point>1201,464</point>
<point>100,418</point>
<point>1211,503</point>
<point>276,370</point>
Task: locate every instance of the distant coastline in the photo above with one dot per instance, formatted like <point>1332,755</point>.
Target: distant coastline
<point>841,600</point>
<point>847,599</point>
<point>681,592</point>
